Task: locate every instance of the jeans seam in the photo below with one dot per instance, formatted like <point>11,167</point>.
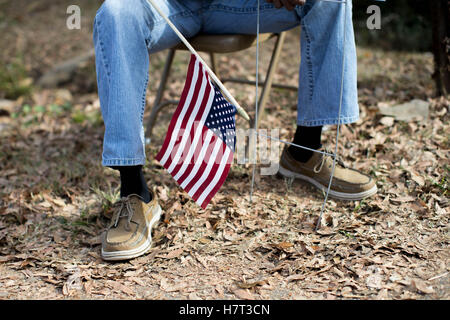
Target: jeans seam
<point>143,98</point>
<point>309,63</point>
<point>221,7</point>
<point>143,107</point>
<point>102,49</point>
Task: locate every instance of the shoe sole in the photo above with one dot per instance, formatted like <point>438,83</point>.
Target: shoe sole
<point>136,252</point>
<point>332,193</point>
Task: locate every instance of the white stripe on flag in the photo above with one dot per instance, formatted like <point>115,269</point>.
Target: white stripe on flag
<point>199,160</point>
<point>216,178</point>
<point>188,128</point>
<point>212,160</point>
<point>174,136</point>
<point>197,136</point>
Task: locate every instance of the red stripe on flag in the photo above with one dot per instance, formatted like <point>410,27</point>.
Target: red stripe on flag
<point>212,172</point>
<point>216,164</point>
<point>220,182</point>
<point>195,96</point>
<point>202,174</point>
<point>194,127</point>
<point>204,163</point>
<point>177,112</point>
<point>195,158</point>
<point>190,109</point>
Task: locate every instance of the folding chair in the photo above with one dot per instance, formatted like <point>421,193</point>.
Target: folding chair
<point>213,44</point>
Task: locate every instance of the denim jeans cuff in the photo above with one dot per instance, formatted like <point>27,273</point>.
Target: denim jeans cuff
<point>123,162</point>
<point>323,122</point>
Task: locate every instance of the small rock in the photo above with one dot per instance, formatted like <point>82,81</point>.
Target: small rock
<point>63,72</point>
<point>414,110</point>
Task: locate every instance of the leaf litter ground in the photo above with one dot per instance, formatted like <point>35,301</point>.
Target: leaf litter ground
<point>54,195</point>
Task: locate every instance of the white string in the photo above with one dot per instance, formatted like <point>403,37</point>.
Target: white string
<point>295,145</point>
<point>256,105</point>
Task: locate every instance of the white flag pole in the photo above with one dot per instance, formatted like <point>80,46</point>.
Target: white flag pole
<point>240,110</point>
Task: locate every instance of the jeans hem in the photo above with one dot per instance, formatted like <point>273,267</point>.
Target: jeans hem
<point>123,162</point>
<point>322,122</point>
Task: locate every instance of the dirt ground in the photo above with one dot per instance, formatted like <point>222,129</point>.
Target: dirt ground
<point>54,191</point>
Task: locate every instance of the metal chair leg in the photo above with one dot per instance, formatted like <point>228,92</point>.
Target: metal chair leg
<point>157,106</point>
<point>270,73</point>
<point>214,64</point>
<point>265,94</point>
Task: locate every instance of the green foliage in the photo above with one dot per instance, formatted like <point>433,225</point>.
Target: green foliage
<point>80,117</point>
<point>443,183</point>
<point>108,197</point>
<point>14,80</point>
<point>34,114</point>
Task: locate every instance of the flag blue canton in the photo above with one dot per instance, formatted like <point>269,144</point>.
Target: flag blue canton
<point>221,119</point>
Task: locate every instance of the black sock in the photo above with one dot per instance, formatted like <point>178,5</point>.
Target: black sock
<point>132,181</point>
<point>308,137</point>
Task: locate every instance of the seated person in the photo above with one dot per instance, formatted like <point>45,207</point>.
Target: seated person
<point>127,32</point>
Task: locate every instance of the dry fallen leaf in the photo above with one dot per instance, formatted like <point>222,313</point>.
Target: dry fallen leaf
<point>295,277</point>
<point>249,284</point>
<point>174,253</point>
<point>243,294</point>
<point>6,258</point>
<point>417,178</point>
<point>168,287</point>
<point>162,193</point>
<point>421,286</point>
<point>284,245</point>
<point>120,287</point>
<point>374,281</point>
<point>370,249</point>
<point>326,231</point>
<point>403,199</point>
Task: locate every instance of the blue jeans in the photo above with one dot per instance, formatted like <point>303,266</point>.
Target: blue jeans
<point>127,32</point>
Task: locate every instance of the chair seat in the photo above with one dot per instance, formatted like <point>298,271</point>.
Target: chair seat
<point>223,43</point>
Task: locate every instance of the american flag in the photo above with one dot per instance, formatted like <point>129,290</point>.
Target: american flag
<point>199,145</point>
